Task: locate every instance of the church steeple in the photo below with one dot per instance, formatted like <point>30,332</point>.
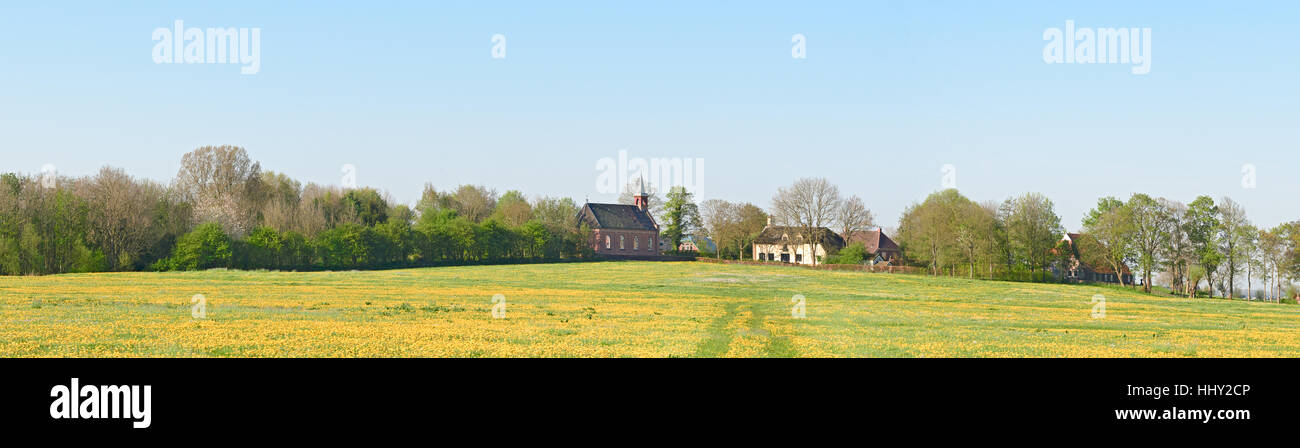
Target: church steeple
<point>641,200</point>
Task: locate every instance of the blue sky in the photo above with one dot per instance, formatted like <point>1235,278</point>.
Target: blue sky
<point>888,94</point>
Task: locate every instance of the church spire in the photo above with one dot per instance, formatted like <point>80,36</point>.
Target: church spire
<point>641,200</point>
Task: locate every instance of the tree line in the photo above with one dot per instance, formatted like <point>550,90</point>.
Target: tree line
<point>1012,240</point>
<point>1181,245</point>
<point>223,211</point>
<point>1201,247</point>
<point>1202,242</point>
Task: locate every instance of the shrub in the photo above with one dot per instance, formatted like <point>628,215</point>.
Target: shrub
<point>855,253</point>
<point>264,246</point>
<point>346,246</point>
<point>206,247</point>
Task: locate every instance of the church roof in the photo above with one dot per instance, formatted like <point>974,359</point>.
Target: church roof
<point>616,216</point>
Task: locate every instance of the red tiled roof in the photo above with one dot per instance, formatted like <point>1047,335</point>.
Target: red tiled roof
<point>875,241</point>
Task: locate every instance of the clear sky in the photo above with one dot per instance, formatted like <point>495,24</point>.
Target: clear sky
<point>888,94</point>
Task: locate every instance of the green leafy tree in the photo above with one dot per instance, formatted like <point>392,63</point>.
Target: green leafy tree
<point>538,241</point>
<point>432,201</point>
<point>681,214</point>
<point>974,234</point>
<point>513,209</point>
<point>1033,228</point>
<point>928,230</point>
<point>1202,226</point>
<point>346,246</point>
<point>497,240</point>
<point>395,242</point>
<point>1107,231</point>
<point>1148,233</point>
<point>371,208</point>
<point>206,247</point>
<point>265,247</point>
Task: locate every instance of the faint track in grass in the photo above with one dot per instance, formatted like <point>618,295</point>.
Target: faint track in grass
<point>719,339</point>
<point>720,336</point>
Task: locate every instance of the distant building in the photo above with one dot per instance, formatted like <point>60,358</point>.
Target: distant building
<point>697,243</point>
<point>785,244</point>
<point>1077,270</point>
<point>621,229</point>
<point>882,248</point>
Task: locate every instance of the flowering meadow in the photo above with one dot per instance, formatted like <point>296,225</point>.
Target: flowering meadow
<point>617,309</point>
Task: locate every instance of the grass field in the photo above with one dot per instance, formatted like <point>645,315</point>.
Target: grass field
<point>617,309</point>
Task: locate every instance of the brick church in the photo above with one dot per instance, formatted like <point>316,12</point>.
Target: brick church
<point>621,229</point>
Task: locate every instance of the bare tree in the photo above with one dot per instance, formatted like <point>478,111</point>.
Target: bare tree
<point>808,205</point>
<point>1272,248</point>
<point>655,203</point>
<point>1176,249</point>
<point>1234,233</point>
<point>716,215</point>
<point>733,226</point>
<point>854,217</point>
<point>119,215</point>
<point>721,221</point>
<point>320,208</point>
<point>1250,257</point>
<point>475,202</point>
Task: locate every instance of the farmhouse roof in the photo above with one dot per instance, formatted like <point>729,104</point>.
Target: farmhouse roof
<point>1104,269</point>
<point>616,216</point>
<point>778,234</point>
<point>875,241</point>
<point>1101,268</point>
